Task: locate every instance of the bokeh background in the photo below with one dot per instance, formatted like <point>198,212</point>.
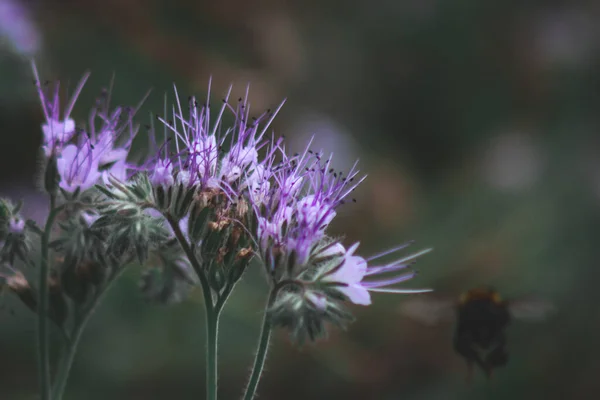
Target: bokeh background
<point>476,121</point>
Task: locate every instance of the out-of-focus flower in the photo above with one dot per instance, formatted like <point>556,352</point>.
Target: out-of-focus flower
<point>14,242</point>
<point>327,134</point>
<point>17,26</point>
<point>512,161</point>
<point>16,225</point>
<point>565,38</point>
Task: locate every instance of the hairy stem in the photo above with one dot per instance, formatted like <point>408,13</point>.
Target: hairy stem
<point>42,336</point>
<point>213,312</point>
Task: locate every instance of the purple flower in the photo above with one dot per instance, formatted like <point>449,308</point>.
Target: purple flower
<point>302,204</point>
<point>16,225</point>
<point>210,155</point>
<point>77,167</point>
<point>258,185</point>
<point>17,26</point>
<point>236,161</point>
<point>352,273</point>
<point>56,134</point>
<point>107,150</point>
<point>58,129</point>
<point>85,155</point>
<point>162,174</point>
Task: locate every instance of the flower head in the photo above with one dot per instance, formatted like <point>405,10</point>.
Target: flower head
<point>209,155</point>
<point>332,276</point>
<point>302,203</point>
<point>83,155</point>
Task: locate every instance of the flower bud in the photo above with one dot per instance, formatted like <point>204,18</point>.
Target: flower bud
<point>20,286</point>
<point>304,314</point>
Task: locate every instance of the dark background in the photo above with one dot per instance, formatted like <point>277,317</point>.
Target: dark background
<point>476,121</point>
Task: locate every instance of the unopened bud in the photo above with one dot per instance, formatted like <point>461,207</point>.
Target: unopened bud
<point>244,253</point>
<point>213,226</point>
<point>221,254</point>
<point>234,238</point>
<point>19,285</point>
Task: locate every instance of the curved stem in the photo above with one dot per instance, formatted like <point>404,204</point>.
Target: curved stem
<point>206,292</point>
<point>263,346</point>
<point>70,349</point>
<point>42,337</point>
<point>213,312</point>
<point>224,297</point>
<point>66,361</point>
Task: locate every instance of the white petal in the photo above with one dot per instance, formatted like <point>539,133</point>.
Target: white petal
<point>357,294</point>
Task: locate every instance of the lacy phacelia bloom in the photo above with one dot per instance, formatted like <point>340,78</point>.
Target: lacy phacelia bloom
<point>210,156</point>
<point>302,204</point>
<point>317,292</point>
<point>350,274</point>
<point>83,156</point>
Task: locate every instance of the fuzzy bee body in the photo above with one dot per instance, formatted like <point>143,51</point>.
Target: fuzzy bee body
<point>481,317</point>
<point>480,333</point>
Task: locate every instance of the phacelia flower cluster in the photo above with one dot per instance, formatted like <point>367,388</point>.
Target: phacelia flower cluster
<point>209,155</point>
<point>227,193</point>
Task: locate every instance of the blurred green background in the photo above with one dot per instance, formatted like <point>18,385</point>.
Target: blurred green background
<point>476,121</point>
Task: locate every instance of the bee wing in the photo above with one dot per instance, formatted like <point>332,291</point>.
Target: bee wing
<point>530,309</point>
<point>429,311</point>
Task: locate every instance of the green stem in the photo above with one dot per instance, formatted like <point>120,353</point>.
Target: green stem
<point>212,335</point>
<point>263,346</point>
<point>223,297</point>
<point>206,292</point>
<point>66,361</point>
<point>70,349</point>
<point>42,337</point>
<point>213,312</point>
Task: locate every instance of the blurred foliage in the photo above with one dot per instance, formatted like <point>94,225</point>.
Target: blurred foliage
<point>477,123</point>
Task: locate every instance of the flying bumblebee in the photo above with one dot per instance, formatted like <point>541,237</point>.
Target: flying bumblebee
<point>482,317</point>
